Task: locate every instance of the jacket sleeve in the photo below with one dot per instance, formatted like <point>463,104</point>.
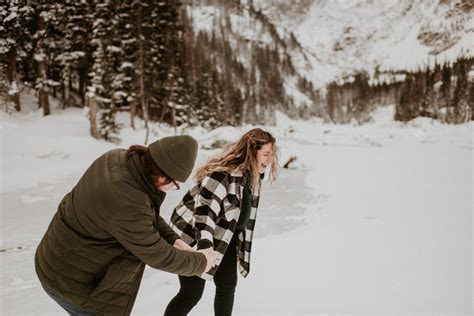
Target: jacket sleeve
<point>165,230</point>
<point>213,190</point>
<point>133,228</point>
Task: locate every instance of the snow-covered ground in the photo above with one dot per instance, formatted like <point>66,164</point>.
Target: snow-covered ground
<point>373,219</point>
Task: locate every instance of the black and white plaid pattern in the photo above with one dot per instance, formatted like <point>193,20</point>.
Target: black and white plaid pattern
<point>210,210</point>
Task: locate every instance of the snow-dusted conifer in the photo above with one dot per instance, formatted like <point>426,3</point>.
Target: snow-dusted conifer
<point>15,44</point>
<point>124,83</point>
<point>103,71</point>
<point>44,17</point>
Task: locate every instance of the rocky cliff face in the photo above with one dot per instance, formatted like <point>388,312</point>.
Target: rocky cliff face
<point>342,36</point>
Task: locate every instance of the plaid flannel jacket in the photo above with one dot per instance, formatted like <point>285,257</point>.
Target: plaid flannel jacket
<point>210,210</point>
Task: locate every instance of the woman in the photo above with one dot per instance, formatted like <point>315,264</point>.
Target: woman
<point>219,212</point>
<point>92,257</point>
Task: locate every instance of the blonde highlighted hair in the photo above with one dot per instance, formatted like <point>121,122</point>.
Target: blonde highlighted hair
<point>241,156</point>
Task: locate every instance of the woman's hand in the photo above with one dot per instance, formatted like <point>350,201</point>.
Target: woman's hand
<point>181,245</point>
<point>210,257</point>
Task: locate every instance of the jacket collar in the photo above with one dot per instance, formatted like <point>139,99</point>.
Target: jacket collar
<point>136,169</point>
<point>237,174</point>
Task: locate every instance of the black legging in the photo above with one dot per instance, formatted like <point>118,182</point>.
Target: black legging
<point>192,288</point>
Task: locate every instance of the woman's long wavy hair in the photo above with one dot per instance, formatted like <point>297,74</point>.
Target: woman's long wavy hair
<point>242,156</point>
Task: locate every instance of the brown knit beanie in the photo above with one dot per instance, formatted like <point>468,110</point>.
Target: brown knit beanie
<point>175,155</point>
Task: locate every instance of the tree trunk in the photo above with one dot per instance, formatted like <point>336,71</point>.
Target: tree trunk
<point>66,92</point>
<point>43,96</point>
<point>245,101</point>
<point>133,113</point>
<point>163,111</point>
<point>13,77</point>
<point>173,114</point>
<point>92,104</point>
<point>44,93</point>
<point>82,84</point>
<point>143,100</point>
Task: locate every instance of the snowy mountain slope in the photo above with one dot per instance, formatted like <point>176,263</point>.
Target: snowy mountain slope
<point>338,37</point>
<point>250,33</point>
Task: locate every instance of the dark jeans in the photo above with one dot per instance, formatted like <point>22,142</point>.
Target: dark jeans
<point>192,288</point>
<point>70,308</point>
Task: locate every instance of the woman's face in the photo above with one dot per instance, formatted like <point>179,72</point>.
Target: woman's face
<point>264,157</point>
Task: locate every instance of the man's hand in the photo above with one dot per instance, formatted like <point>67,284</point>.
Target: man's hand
<point>181,245</point>
<point>210,257</point>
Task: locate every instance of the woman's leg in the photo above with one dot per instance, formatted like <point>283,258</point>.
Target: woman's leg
<point>190,292</point>
<point>226,281</point>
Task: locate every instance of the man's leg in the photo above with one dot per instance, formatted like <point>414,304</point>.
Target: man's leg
<point>68,307</point>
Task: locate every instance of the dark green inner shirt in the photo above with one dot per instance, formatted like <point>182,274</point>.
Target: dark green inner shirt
<point>245,208</point>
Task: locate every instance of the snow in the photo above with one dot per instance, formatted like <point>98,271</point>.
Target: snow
<point>203,18</point>
<point>39,57</point>
<point>13,15</point>
<point>370,34</point>
<point>291,89</point>
<point>373,219</point>
<point>113,49</point>
<point>126,65</point>
<point>13,88</point>
<point>250,30</point>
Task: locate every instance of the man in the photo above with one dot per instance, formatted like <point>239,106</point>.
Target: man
<point>92,257</point>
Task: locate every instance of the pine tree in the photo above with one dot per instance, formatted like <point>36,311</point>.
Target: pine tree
<point>470,68</point>
<point>363,97</point>
<point>56,44</point>
<point>235,107</point>
<point>124,82</point>
<point>73,23</point>
<point>446,85</point>
<point>418,94</point>
<point>101,89</point>
<point>176,105</point>
<point>152,24</point>
<point>81,38</point>
<point>160,59</point>
<point>15,39</point>
<point>205,101</point>
<point>462,110</point>
<point>428,106</point>
<point>249,111</point>
<point>5,100</point>
<point>331,101</point>
<point>44,15</point>
<point>403,108</point>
